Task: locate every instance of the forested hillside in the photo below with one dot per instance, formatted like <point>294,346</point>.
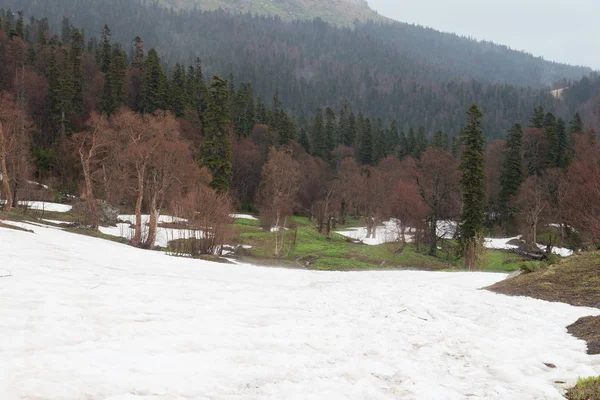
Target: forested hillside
<point>400,72</point>
<point>340,12</point>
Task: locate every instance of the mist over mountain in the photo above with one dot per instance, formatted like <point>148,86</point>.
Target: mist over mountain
<point>392,71</point>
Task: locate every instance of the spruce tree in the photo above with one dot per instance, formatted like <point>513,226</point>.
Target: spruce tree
<point>553,141</point>
<point>105,49</point>
<point>576,125</point>
<point>446,142</point>
<point>330,131</point>
<point>411,143</point>
<point>403,142</point>
<point>20,26</point>
<point>563,143</point>
<point>537,119</point>
<point>215,152</point>
<point>178,99</point>
<point>344,125</point>
<point>319,141</point>
<point>421,144</point>
<point>438,140</point>
<point>65,33</point>
<point>304,142</point>
<point>379,144</point>
<point>473,186</point>
<point>114,94</point>
<point>366,144</point>
<point>511,175</point>
<point>455,147</point>
<point>350,135</point>
<point>154,88</point>
<point>392,140</point>
<point>75,56</point>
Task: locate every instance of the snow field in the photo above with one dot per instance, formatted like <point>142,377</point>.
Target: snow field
<point>44,206</point>
<point>87,318</point>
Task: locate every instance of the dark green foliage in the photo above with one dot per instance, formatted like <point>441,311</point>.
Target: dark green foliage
<point>20,26</point>
<point>343,131</point>
<point>538,117</point>
<point>553,142</point>
<point>114,94</point>
<point>379,145</point>
<point>562,160</point>
<point>178,98</point>
<point>154,85</point>
<point>411,143</point>
<point>512,175</point>
<point>303,140</point>
<point>366,144</point>
<point>319,140</point>
<point>76,72</point>
<point>215,152</point>
<point>105,50</point>
<point>330,131</point>
<point>421,143</point>
<point>576,125</point>
<point>438,140</point>
<point>393,138</point>
<point>473,181</point>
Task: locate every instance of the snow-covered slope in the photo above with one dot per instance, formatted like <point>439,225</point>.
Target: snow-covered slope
<point>82,318</point>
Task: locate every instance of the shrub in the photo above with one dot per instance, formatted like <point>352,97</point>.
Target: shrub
<point>586,389</point>
<point>530,266</point>
<point>553,259</point>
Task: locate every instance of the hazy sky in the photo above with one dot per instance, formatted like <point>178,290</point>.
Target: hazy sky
<point>559,30</point>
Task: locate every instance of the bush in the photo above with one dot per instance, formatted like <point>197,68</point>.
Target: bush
<point>531,266</point>
<point>553,259</point>
<point>586,389</point>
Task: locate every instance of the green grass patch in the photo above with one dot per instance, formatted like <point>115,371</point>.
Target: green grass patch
<point>586,389</point>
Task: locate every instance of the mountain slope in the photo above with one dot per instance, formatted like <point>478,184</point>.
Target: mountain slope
<point>388,71</point>
<point>340,12</point>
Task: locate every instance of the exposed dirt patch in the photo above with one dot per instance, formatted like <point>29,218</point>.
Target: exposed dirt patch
<point>588,329</point>
<point>575,281</point>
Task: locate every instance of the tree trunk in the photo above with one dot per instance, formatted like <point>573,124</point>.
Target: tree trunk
<point>153,224</point>
<point>369,224</point>
<point>137,237</point>
<point>5,184</point>
<point>433,234</point>
<point>89,193</point>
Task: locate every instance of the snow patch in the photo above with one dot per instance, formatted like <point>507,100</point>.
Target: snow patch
<point>243,216</point>
<point>44,206</point>
<point>88,318</point>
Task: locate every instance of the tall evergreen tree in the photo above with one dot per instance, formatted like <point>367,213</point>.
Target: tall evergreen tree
<point>366,144</point>
<point>178,98</point>
<point>319,141</point>
<point>330,130</point>
<point>154,88</point>
<point>411,143</point>
<point>303,140</point>
<point>576,125</point>
<point>421,144</point>
<point>553,142</point>
<point>114,94</point>
<point>511,175</point>
<point>379,142</point>
<point>215,152</point>
<point>105,49</point>
<point>438,140</point>
<point>473,186</point>
<point>65,32</point>
<point>563,143</point>
<point>537,119</point>
<point>75,56</point>
<point>344,125</point>
<point>393,138</point>
<point>350,135</point>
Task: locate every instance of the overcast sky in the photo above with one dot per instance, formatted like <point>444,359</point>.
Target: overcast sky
<point>559,30</point>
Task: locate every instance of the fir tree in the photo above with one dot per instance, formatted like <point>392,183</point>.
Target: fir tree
<point>576,125</point>
<point>75,56</point>
<point>403,142</point>
<point>330,130</point>
<point>455,146</point>
<point>473,186</point>
<point>563,143</point>
<point>537,119</point>
<point>178,99</point>
<point>411,143</point>
<point>366,144</point>
<point>20,26</point>
<point>392,140</point>
<point>511,175</point>
<point>379,145</point>
<point>343,130</point>
<point>446,142</point>
<point>215,152</point>
<point>114,95</point>
<point>105,50</point>
<point>438,140</point>
<point>304,142</point>
<point>350,135</point>
<point>153,85</point>
<point>421,144</point>
<point>319,141</point>
<point>553,142</point>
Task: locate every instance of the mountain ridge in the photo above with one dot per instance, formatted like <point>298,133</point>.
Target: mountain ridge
<point>339,12</point>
